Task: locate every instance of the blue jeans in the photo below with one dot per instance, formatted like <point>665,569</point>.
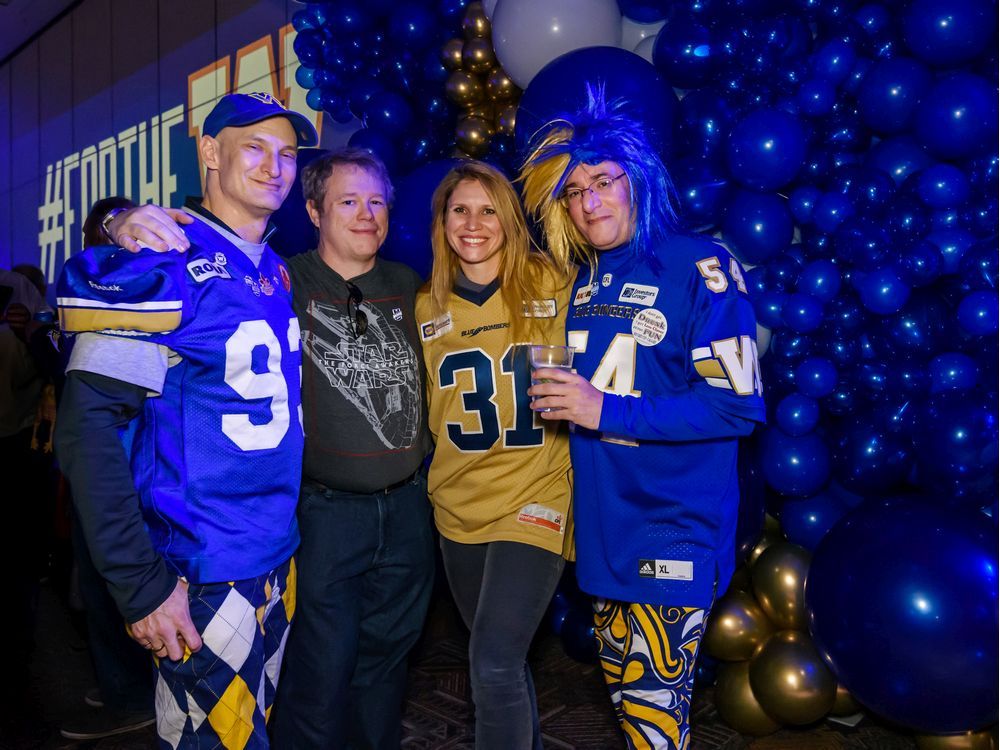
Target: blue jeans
<point>502,590</point>
<point>365,573</point>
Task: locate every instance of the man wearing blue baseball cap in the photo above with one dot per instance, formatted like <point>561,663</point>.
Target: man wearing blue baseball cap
<point>180,432</point>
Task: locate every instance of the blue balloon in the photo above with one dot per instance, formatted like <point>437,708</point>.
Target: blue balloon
<point>820,279</point>
<point>768,308</point>
<point>979,265</point>
<point>816,377</point>
<point>685,53</point>
<point>868,188</point>
<point>348,18</point>
<point>953,371</point>
<point>846,314</point>
<point>578,636</point>
<point>802,313</point>
<point>766,149</point>
<point>898,157</point>
<point>919,326</point>
<point>874,18</point>
<point>834,60</point>
<point>704,120</point>
<point>955,441</point>
<point>882,291</point>
<point>947,33</point>
<point>314,98</point>
<point>561,86</point>
<point>805,522</point>
<point>305,77</point>
<point>816,97</point>
<point>942,186</point>
<point>302,20</point>
<point>958,117</point>
<point>831,210</point>
<point>952,244</point>
<point>797,414</point>
<point>889,94</point>
<point>412,26</point>
<point>870,459</point>
<point>863,242</point>
<point>902,595</point>
<point>906,219</point>
<point>380,144</point>
<point>802,203</point>
<point>757,226</point>
<point>789,346</point>
<point>977,313</point>
<point>783,271</point>
<point>702,188</point>
<point>643,11</point>
<point>309,47</point>
<point>409,238</point>
<point>920,264</point>
<point>794,466</point>
<point>389,113</point>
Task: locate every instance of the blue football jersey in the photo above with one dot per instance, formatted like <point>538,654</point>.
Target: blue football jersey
<point>217,456</point>
<point>674,350</point>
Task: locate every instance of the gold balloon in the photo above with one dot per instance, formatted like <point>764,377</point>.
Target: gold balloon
<point>965,741</point>
<point>463,88</point>
<point>790,680</point>
<point>475,23</point>
<point>766,540</point>
<point>500,87</point>
<point>451,54</point>
<point>741,579</point>
<point>478,56</point>
<point>844,704</point>
<point>483,110</point>
<point>507,119</point>
<point>472,135</point>
<point>736,704</point>
<point>779,579</point>
<point>736,627</point>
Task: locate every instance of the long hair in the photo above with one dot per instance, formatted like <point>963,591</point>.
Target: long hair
<point>598,132</point>
<point>521,266</point>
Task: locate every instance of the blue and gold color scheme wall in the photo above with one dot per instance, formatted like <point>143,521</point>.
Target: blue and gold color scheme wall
<point>110,99</point>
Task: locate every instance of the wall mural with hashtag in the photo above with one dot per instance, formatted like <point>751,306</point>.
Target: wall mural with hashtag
<point>83,119</point>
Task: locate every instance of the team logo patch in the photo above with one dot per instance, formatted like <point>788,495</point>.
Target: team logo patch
<point>285,279</point>
<point>266,286</point>
<point>606,280</point>
<point>536,514</point>
<point>649,327</point>
<point>540,308</point>
<point>434,328</point>
<point>203,269</point>
<point>254,287</point>
<point>583,294</point>
<point>666,570</point>
<point>638,294</point>
<point>397,314</point>
<point>221,259</point>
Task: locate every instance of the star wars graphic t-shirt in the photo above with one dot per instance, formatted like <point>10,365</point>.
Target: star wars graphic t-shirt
<point>362,384</point>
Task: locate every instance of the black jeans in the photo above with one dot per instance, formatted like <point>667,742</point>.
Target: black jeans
<point>502,590</point>
<point>365,573</point>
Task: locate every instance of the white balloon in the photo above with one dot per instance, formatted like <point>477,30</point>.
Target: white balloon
<point>529,34</point>
<point>488,7</point>
<point>644,49</point>
<point>633,32</point>
<point>763,340</point>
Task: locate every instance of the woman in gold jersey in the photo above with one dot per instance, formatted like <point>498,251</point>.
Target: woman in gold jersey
<point>500,479</point>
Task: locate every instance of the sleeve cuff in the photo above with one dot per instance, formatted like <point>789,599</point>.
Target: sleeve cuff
<point>140,363</point>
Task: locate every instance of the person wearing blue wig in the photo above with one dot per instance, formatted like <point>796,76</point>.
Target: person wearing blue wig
<point>666,381</point>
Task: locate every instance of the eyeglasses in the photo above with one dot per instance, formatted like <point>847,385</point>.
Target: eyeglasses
<point>600,187</point>
<point>359,321</point>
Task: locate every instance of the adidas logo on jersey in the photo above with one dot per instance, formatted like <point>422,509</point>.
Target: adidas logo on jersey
<point>647,569</point>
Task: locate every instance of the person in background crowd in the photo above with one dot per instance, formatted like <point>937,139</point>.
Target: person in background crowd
<point>366,562</point>
<point>500,479</point>
<point>666,381</point>
<point>194,528</point>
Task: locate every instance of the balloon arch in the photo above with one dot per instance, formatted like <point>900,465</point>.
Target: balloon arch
<point>846,152</point>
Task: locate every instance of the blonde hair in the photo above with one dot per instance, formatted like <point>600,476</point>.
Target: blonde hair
<point>522,265</point>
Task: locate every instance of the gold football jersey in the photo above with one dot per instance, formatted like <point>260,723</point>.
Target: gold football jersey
<point>499,473</point>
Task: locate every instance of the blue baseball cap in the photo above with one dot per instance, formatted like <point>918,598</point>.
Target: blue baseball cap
<point>238,110</point>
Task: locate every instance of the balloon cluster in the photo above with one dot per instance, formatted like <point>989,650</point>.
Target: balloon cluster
<point>379,61</point>
<point>770,673</point>
<point>479,85</point>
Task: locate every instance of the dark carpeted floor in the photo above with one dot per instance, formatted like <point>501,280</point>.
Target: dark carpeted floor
<point>573,706</point>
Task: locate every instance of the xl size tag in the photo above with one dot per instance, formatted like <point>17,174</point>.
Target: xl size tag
<point>667,570</point>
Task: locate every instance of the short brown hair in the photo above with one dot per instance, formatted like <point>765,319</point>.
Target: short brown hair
<point>318,171</point>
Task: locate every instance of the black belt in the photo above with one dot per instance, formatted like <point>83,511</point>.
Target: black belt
<point>384,491</point>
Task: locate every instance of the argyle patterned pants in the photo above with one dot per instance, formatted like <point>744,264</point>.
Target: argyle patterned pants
<point>221,695</point>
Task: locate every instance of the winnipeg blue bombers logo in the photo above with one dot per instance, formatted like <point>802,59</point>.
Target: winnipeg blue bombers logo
<point>202,269</point>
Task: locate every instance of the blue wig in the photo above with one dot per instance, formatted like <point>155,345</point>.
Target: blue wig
<point>599,132</point>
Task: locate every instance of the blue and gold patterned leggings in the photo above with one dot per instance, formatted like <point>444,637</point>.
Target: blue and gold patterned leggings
<point>648,653</point>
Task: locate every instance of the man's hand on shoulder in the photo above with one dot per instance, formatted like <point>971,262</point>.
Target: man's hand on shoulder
<point>168,629</point>
<point>155,227</point>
